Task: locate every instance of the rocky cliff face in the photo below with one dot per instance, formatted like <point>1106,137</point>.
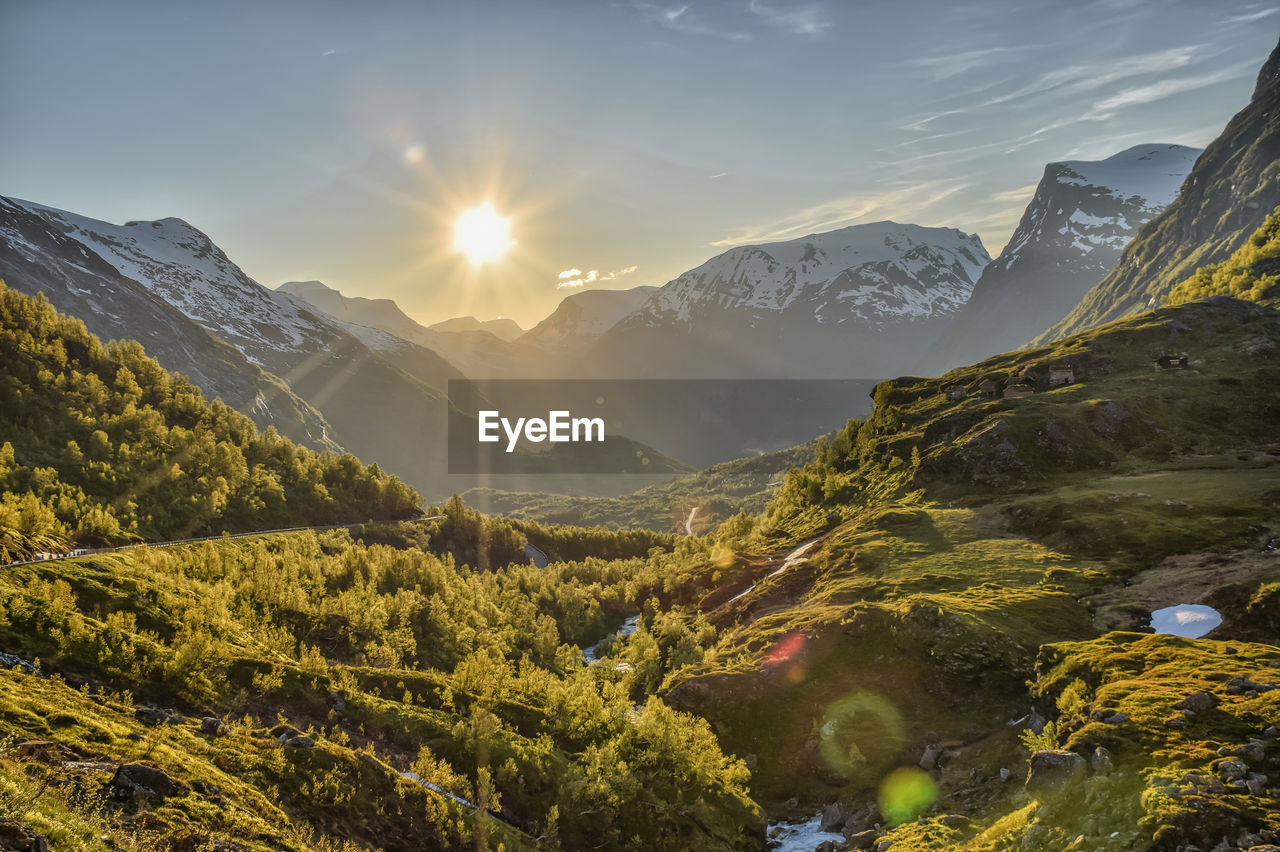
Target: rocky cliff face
<point>1228,194</point>
<point>1072,233</point>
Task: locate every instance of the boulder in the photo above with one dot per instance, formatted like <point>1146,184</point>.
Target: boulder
<point>151,715</point>
<point>140,778</point>
<point>929,760</point>
<point>828,846</point>
<point>861,840</point>
<point>300,742</point>
<point>15,836</point>
<point>833,817</point>
<point>1054,771</point>
<point>1197,702</point>
<point>212,726</point>
<point>1233,769</point>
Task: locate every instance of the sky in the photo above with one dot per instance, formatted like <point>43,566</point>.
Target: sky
<point>626,141</point>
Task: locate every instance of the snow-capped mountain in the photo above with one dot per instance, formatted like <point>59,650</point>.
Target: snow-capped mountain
<point>1227,195</point>
<point>379,406</point>
<point>38,255</point>
<point>850,303</point>
<point>1071,234</point>
<point>584,316</point>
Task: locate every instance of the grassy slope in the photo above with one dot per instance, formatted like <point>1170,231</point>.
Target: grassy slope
<point>957,539</point>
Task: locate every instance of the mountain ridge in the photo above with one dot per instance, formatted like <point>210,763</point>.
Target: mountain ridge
<point>1071,234</point>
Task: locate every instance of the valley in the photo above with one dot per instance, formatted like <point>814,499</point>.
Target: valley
<point>893,546</point>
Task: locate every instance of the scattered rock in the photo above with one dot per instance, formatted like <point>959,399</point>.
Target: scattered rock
<point>752,761</point>
<point>1176,723</point>
<point>1242,685</point>
<point>148,780</point>
<point>1004,773</point>
<point>300,742</point>
<point>953,820</point>
<point>793,803</point>
<point>861,840</point>
<point>1233,769</point>
<point>833,817</point>
<point>883,845</point>
<point>1053,771</point>
<point>337,702</point>
<point>1257,783</point>
<point>1116,719</point>
<point>829,846</point>
<point>932,752</point>
<point>1197,702</point>
<point>207,790</point>
<point>151,716</point>
<point>15,836</point>
<point>1101,760</point>
<point>212,726</point>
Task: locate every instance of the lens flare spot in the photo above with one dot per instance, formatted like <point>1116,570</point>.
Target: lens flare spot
<point>905,793</point>
<point>785,649</point>
<point>721,556</point>
<point>860,734</point>
<point>415,154</point>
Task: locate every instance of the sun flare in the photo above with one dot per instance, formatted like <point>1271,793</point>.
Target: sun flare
<point>481,234</point>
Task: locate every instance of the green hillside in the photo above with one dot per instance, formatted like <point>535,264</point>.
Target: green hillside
<point>101,445</point>
<point>1252,273</point>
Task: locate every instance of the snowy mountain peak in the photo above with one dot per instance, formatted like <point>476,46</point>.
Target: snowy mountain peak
<point>1083,214</point>
<point>875,271</point>
<point>1152,172</point>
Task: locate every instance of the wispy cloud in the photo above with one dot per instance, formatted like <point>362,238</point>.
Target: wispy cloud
<point>954,64</point>
<point>718,175</point>
<point>908,201</point>
<point>1087,77</point>
<point>1249,17</point>
<point>685,19</point>
<point>1175,86</point>
<point>577,278</point>
<point>807,19</point>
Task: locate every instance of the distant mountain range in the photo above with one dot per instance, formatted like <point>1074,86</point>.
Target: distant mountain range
<point>1070,236</point>
<point>858,302</point>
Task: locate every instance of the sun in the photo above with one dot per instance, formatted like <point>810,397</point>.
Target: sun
<point>481,234</point>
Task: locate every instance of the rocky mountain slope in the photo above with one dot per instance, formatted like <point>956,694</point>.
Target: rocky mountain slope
<point>582,317</point>
<point>1234,186</point>
<point>36,256</point>
<point>850,303</point>
<point>343,376</point>
<point>1072,233</point>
